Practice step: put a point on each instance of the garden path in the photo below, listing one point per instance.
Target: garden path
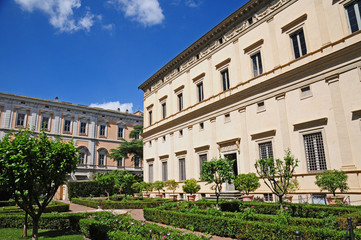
(136, 214)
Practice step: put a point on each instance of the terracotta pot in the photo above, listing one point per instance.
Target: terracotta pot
(159, 195)
(335, 200)
(146, 195)
(191, 197)
(247, 198)
(173, 196)
(136, 194)
(288, 198)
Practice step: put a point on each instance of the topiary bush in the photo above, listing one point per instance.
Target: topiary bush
(78, 189)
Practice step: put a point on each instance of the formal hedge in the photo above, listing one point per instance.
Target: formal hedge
(78, 189)
(58, 221)
(125, 204)
(54, 206)
(105, 225)
(7, 203)
(241, 229)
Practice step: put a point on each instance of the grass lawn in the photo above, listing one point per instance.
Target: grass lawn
(15, 233)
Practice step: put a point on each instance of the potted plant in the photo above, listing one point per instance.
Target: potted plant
(172, 186)
(190, 186)
(158, 185)
(136, 189)
(331, 180)
(246, 183)
(147, 187)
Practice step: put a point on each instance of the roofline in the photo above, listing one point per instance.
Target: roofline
(201, 42)
(55, 103)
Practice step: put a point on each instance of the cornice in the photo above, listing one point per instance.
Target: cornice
(233, 25)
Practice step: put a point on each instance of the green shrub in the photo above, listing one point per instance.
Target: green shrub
(123, 235)
(54, 206)
(94, 229)
(59, 221)
(78, 189)
(236, 228)
(7, 203)
(132, 203)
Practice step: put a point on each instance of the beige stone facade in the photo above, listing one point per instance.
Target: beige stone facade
(94, 130)
(273, 75)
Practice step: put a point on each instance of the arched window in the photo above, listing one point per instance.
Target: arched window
(83, 155)
(102, 157)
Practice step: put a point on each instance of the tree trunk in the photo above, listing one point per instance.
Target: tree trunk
(281, 203)
(35, 228)
(25, 233)
(107, 194)
(217, 195)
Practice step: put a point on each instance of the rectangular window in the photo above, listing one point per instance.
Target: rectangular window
(268, 197)
(67, 125)
(299, 43)
(45, 123)
(101, 159)
(164, 110)
(353, 11)
(202, 159)
(180, 102)
(257, 64)
(136, 162)
(82, 157)
(200, 92)
(225, 79)
(315, 153)
(182, 169)
(150, 172)
(120, 132)
(120, 163)
(265, 150)
(164, 171)
(82, 129)
(102, 130)
(150, 113)
(20, 120)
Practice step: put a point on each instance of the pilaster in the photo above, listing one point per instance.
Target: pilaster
(282, 113)
(244, 154)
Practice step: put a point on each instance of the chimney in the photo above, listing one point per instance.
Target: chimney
(126, 111)
(56, 99)
(118, 109)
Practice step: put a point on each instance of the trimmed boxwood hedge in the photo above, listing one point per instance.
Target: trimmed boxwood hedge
(58, 221)
(129, 204)
(78, 189)
(54, 206)
(230, 227)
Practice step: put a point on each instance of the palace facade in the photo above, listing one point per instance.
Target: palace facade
(96, 131)
(274, 75)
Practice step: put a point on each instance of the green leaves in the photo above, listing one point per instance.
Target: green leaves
(331, 180)
(246, 183)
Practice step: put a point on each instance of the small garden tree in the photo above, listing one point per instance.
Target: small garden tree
(107, 182)
(146, 186)
(171, 185)
(158, 185)
(217, 171)
(33, 167)
(136, 187)
(277, 174)
(331, 180)
(246, 183)
(190, 186)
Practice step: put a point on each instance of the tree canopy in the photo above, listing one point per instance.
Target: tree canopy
(331, 180)
(217, 171)
(133, 147)
(32, 167)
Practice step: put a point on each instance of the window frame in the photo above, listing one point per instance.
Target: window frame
(307, 161)
(22, 112)
(201, 161)
(182, 169)
(102, 152)
(105, 125)
(225, 78)
(164, 109)
(70, 129)
(259, 63)
(120, 126)
(165, 171)
(295, 33)
(355, 4)
(151, 172)
(83, 121)
(180, 101)
(43, 116)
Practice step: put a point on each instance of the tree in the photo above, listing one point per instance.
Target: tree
(217, 171)
(158, 185)
(32, 167)
(331, 180)
(136, 187)
(190, 186)
(107, 182)
(146, 186)
(171, 185)
(277, 174)
(246, 183)
(132, 148)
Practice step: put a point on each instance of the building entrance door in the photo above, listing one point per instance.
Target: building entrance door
(230, 157)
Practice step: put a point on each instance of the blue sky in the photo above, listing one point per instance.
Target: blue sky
(97, 52)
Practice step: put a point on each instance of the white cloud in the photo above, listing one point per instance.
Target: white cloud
(193, 3)
(114, 106)
(147, 12)
(60, 13)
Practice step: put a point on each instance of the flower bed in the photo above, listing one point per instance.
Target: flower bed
(247, 223)
(106, 225)
(133, 203)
